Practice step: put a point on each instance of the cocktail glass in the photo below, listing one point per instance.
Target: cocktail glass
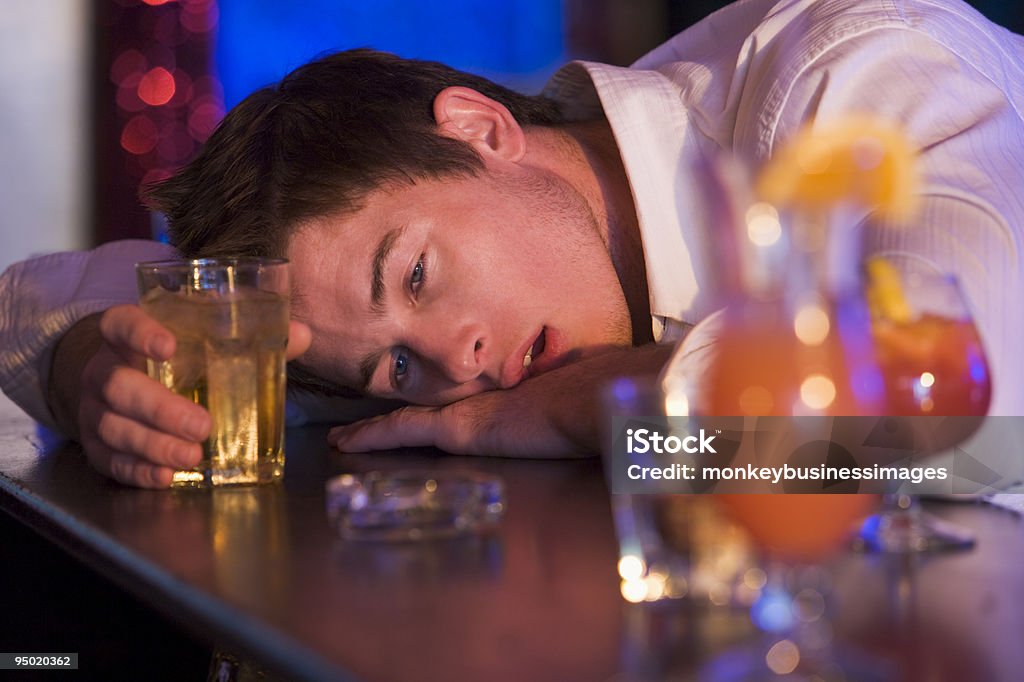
(935, 372)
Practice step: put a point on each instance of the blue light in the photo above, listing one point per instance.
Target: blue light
(871, 526)
(773, 611)
(518, 43)
(624, 391)
(866, 380)
(867, 384)
(978, 368)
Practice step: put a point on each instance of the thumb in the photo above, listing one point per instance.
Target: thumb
(299, 338)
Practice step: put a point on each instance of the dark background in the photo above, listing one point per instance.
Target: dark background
(229, 47)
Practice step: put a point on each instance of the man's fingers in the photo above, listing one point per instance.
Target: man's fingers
(407, 427)
(133, 394)
(129, 330)
(489, 423)
(148, 444)
(108, 430)
(130, 470)
(135, 471)
(133, 428)
(299, 338)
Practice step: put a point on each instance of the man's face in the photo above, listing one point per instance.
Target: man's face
(435, 291)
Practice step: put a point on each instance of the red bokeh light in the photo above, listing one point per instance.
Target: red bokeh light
(127, 64)
(164, 97)
(199, 17)
(204, 118)
(128, 94)
(175, 146)
(139, 135)
(183, 90)
(157, 87)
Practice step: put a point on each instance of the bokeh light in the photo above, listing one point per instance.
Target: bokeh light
(633, 591)
(756, 401)
(130, 63)
(631, 567)
(811, 324)
(763, 225)
(817, 391)
(199, 16)
(166, 98)
(157, 87)
(139, 135)
(783, 657)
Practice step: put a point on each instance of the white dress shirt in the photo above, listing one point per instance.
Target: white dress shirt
(744, 79)
(753, 73)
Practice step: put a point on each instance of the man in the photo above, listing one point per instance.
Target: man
(494, 260)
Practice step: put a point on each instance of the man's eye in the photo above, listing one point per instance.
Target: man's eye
(418, 275)
(400, 366)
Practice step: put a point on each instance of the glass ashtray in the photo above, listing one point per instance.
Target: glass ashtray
(413, 504)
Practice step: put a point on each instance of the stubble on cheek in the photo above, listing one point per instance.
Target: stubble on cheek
(620, 329)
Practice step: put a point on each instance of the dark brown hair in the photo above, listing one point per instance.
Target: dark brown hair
(315, 144)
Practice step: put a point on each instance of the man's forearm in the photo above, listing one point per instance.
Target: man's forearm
(555, 414)
(578, 411)
(72, 353)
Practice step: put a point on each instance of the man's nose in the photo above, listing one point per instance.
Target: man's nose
(458, 350)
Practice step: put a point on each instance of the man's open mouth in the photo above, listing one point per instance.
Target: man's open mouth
(535, 350)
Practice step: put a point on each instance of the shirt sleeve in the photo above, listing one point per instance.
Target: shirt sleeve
(41, 298)
(970, 133)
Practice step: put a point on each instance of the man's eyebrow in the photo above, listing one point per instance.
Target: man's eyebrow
(380, 257)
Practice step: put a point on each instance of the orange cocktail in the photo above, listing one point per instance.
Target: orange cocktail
(797, 528)
(932, 366)
(766, 367)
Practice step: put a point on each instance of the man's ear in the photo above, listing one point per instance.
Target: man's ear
(485, 124)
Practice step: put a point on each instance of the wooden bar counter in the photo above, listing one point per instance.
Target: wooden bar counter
(260, 570)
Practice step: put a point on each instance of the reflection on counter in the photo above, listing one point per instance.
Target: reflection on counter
(432, 561)
(249, 534)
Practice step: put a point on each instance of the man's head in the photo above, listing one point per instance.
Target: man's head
(435, 231)
(316, 144)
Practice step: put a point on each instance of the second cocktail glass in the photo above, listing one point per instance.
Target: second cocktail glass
(936, 373)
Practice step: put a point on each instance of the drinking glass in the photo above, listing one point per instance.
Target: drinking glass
(781, 360)
(229, 318)
(935, 372)
(795, 534)
(793, 349)
(672, 541)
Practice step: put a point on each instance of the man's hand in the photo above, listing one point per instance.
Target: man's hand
(131, 427)
(556, 414)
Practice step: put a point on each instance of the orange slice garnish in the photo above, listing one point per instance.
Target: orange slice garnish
(857, 159)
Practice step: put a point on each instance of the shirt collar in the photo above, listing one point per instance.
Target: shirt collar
(660, 150)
